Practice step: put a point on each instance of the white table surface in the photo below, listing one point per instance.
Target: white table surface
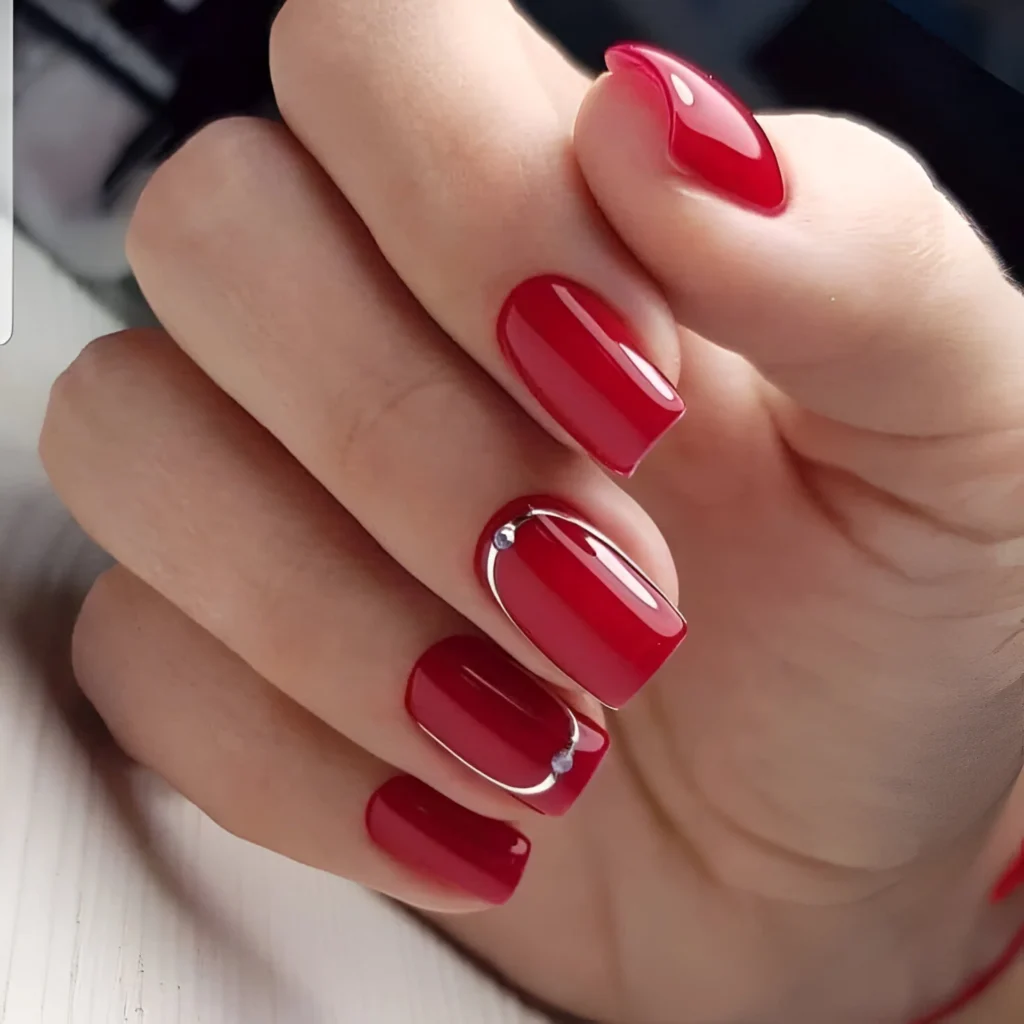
(119, 901)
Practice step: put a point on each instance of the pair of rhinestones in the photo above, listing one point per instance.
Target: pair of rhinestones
(562, 762)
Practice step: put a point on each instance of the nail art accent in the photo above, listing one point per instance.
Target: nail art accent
(578, 598)
(1011, 881)
(582, 362)
(712, 134)
(445, 842)
(499, 720)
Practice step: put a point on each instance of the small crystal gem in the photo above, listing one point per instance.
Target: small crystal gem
(505, 538)
(561, 762)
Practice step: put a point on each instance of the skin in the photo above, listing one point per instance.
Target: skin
(802, 815)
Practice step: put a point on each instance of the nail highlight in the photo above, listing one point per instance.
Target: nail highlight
(441, 840)
(712, 134)
(581, 360)
(578, 598)
(500, 720)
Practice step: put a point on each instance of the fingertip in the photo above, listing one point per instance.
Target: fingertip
(630, 62)
(443, 841)
(626, 106)
(705, 132)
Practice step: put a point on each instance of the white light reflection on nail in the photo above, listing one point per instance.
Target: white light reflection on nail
(651, 375)
(683, 91)
(614, 565)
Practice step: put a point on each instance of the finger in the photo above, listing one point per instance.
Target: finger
(564, 81)
(276, 290)
(265, 769)
(455, 152)
(814, 247)
(190, 494)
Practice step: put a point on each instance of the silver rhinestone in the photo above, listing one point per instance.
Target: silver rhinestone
(562, 762)
(504, 538)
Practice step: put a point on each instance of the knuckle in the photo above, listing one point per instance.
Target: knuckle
(912, 249)
(910, 214)
(368, 436)
(84, 423)
(869, 150)
(75, 390)
(116, 622)
(211, 165)
(309, 38)
(96, 369)
(282, 33)
(891, 223)
(97, 624)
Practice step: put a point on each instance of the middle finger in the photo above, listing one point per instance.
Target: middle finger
(277, 291)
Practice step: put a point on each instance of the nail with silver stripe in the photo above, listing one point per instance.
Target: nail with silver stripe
(585, 604)
(504, 723)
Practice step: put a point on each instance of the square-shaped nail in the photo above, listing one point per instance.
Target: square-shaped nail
(586, 606)
(502, 722)
(582, 361)
(444, 841)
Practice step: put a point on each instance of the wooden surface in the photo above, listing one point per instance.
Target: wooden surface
(119, 902)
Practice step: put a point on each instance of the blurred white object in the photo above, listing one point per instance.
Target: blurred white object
(119, 901)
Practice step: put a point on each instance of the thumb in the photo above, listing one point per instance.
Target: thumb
(816, 248)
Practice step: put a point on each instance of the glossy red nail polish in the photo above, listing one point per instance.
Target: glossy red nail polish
(442, 840)
(712, 135)
(492, 714)
(585, 606)
(582, 362)
(1011, 881)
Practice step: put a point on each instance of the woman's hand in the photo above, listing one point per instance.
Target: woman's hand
(409, 320)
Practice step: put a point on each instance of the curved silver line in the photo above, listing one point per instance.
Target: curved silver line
(493, 553)
(541, 787)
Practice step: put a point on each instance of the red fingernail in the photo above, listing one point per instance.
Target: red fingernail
(497, 718)
(582, 362)
(712, 134)
(436, 837)
(577, 598)
(1012, 880)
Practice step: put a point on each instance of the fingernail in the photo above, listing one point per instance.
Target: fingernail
(1011, 881)
(579, 599)
(582, 362)
(443, 841)
(498, 719)
(712, 134)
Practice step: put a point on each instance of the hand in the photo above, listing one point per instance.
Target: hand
(802, 816)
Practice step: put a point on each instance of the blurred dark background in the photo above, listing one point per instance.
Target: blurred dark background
(106, 88)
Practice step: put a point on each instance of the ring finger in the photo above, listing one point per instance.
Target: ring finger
(190, 494)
